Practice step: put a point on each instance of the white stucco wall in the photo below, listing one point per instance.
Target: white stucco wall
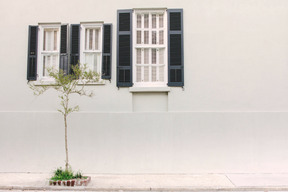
(231, 115)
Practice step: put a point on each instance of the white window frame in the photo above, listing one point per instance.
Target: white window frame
(41, 52)
(83, 27)
(150, 46)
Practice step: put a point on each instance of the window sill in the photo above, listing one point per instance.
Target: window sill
(149, 89)
(51, 83)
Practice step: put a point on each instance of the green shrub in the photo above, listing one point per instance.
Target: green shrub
(60, 174)
(78, 175)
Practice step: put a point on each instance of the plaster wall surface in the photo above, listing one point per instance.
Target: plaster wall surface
(231, 115)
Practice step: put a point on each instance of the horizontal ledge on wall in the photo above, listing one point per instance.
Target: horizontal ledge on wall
(52, 83)
(149, 89)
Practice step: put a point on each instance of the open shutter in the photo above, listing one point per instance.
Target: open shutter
(75, 45)
(32, 53)
(175, 48)
(63, 49)
(124, 48)
(106, 55)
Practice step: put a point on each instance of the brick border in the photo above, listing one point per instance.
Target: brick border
(71, 182)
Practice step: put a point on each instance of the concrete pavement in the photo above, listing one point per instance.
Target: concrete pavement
(152, 182)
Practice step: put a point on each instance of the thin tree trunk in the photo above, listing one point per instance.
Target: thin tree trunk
(66, 143)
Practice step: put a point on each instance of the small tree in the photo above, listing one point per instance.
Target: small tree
(66, 85)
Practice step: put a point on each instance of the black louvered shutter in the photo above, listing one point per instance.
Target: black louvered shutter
(32, 53)
(107, 50)
(74, 45)
(175, 48)
(124, 48)
(64, 49)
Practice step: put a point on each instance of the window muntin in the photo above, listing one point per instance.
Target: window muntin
(91, 46)
(49, 46)
(150, 48)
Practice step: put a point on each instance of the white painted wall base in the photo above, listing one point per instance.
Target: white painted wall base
(168, 142)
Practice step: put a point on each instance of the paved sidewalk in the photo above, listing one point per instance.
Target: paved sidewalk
(152, 182)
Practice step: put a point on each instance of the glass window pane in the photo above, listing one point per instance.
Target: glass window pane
(48, 41)
(161, 37)
(139, 18)
(146, 74)
(95, 66)
(90, 38)
(161, 73)
(86, 39)
(161, 56)
(54, 62)
(138, 60)
(138, 74)
(154, 52)
(146, 37)
(154, 37)
(55, 41)
(153, 21)
(146, 56)
(146, 21)
(96, 39)
(44, 65)
(154, 75)
(161, 21)
(44, 41)
(138, 37)
(89, 61)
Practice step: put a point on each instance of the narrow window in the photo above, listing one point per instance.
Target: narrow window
(91, 49)
(49, 40)
(150, 48)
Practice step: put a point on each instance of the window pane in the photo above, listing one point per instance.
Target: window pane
(90, 38)
(161, 73)
(138, 37)
(161, 21)
(138, 74)
(49, 62)
(95, 66)
(153, 21)
(54, 62)
(154, 37)
(138, 60)
(161, 56)
(44, 65)
(154, 75)
(91, 60)
(154, 52)
(50, 40)
(139, 21)
(146, 37)
(161, 37)
(44, 41)
(86, 39)
(48, 44)
(55, 41)
(96, 39)
(146, 56)
(146, 74)
(146, 21)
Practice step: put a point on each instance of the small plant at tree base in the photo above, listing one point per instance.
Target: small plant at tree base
(67, 85)
(60, 174)
(78, 175)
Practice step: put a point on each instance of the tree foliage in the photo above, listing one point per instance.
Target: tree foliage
(67, 85)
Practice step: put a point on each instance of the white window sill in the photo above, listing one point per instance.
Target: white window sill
(149, 89)
(101, 82)
(51, 83)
